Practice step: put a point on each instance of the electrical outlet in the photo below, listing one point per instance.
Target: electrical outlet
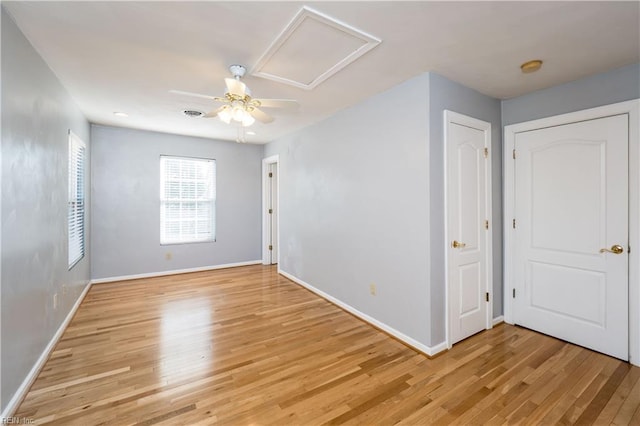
(55, 301)
(168, 255)
(372, 289)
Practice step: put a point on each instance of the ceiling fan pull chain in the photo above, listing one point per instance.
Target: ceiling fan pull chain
(240, 135)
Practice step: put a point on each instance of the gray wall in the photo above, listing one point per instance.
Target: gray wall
(126, 203)
(363, 192)
(354, 206)
(444, 95)
(37, 113)
(329, 204)
(619, 85)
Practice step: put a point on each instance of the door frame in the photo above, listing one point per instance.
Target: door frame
(631, 108)
(266, 220)
(463, 120)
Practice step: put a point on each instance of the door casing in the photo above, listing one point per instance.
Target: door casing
(454, 117)
(632, 108)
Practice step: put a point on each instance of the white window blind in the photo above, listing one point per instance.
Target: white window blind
(187, 200)
(76, 205)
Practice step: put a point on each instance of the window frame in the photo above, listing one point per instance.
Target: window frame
(76, 196)
(164, 241)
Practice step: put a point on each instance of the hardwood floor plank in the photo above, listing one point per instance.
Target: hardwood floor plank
(166, 416)
(372, 398)
(604, 394)
(617, 399)
(548, 397)
(247, 346)
(629, 409)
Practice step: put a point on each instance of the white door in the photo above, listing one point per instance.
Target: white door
(571, 233)
(273, 212)
(468, 211)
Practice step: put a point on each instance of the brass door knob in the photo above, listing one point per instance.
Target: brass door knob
(456, 244)
(617, 249)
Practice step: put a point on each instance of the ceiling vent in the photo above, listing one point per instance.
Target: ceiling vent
(192, 113)
(312, 48)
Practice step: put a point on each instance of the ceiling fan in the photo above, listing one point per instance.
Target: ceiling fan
(238, 105)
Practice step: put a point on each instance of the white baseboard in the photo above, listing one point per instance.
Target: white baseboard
(428, 350)
(174, 272)
(498, 320)
(19, 395)
(440, 347)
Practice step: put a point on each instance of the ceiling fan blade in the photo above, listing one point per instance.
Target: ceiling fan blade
(278, 103)
(235, 87)
(215, 112)
(261, 116)
(197, 95)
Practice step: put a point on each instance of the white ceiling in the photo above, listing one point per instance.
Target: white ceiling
(126, 56)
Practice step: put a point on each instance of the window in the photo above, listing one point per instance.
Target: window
(187, 200)
(75, 213)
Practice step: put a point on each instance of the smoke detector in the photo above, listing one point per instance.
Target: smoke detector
(531, 66)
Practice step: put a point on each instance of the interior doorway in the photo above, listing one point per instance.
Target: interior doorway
(571, 221)
(270, 210)
(468, 213)
(571, 206)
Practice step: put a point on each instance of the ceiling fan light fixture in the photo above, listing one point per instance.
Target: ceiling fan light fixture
(225, 115)
(237, 104)
(238, 113)
(248, 120)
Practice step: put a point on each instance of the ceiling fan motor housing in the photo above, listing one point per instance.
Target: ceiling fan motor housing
(238, 71)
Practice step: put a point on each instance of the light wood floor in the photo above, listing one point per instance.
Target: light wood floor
(245, 346)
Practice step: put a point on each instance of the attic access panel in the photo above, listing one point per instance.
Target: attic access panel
(312, 48)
